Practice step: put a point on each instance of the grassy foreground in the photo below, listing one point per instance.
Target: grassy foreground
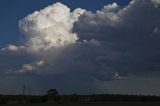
(95, 104)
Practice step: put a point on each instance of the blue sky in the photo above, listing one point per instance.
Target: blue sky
(106, 48)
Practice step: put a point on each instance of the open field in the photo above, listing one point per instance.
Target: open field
(95, 104)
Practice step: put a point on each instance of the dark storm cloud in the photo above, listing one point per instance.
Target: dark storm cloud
(131, 34)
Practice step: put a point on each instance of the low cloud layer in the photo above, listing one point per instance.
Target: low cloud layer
(114, 43)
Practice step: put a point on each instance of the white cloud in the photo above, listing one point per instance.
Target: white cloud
(156, 2)
(50, 27)
(118, 77)
(13, 48)
(31, 67)
(156, 29)
(26, 68)
(111, 7)
(40, 63)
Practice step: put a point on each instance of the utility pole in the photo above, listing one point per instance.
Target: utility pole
(24, 89)
(29, 91)
(23, 94)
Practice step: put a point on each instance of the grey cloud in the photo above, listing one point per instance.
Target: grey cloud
(130, 36)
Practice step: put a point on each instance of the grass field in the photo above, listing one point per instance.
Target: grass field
(95, 104)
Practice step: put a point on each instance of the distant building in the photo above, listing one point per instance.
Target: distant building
(52, 96)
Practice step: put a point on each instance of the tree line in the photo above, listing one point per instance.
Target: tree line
(74, 98)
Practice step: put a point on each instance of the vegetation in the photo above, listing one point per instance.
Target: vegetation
(53, 97)
(93, 104)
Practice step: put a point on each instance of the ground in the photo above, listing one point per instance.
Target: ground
(95, 104)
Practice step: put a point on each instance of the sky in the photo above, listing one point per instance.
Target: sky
(76, 46)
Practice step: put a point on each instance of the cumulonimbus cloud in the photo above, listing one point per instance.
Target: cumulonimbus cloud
(112, 43)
